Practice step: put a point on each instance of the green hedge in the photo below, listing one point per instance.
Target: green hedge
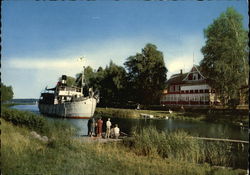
(25, 118)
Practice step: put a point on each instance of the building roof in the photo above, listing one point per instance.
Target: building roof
(182, 78)
(176, 78)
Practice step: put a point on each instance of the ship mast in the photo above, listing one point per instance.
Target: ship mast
(82, 79)
(83, 84)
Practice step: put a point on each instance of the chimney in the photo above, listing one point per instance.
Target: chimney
(181, 71)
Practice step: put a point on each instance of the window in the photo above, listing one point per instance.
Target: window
(201, 90)
(195, 76)
(191, 91)
(206, 90)
(202, 98)
(206, 98)
(199, 76)
(177, 88)
(196, 91)
(196, 98)
(189, 77)
(171, 89)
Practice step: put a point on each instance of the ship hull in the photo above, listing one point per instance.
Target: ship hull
(79, 109)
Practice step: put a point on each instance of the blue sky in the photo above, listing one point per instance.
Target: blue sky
(41, 40)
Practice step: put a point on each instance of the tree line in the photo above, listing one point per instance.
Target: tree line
(140, 81)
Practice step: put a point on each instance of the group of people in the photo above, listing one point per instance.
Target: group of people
(95, 128)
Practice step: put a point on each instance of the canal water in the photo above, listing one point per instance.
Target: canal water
(201, 129)
(194, 128)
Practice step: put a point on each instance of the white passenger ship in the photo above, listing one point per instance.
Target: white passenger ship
(68, 102)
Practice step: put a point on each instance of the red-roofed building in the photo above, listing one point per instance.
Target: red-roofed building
(189, 89)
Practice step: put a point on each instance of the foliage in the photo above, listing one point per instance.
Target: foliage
(35, 122)
(6, 93)
(142, 83)
(226, 56)
(146, 74)
(110, 82)
(113, 85)
(24, 118)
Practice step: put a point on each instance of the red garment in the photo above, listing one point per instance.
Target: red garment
(99, 126)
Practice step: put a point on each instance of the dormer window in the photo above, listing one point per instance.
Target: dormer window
(195, 76)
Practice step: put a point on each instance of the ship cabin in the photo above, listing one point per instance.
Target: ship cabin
(61, 93)
(188, 89)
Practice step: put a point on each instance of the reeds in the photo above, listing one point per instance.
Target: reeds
(178, 146)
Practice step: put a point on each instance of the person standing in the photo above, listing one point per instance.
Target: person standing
(117, 131)
(99, 127)
(93, 123)
(108, 125)
(89, 126)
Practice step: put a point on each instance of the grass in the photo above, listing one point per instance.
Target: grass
(216, 116)
(23, 154)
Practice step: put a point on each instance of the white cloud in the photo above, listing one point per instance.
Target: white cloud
(184, 55)
(183, 62)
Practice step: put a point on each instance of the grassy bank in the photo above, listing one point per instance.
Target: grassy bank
(148, 152)
(215, 116)
(23, 154)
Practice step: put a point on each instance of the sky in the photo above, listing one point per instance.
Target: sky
(42, 40)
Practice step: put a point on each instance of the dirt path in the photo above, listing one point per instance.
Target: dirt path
(88, 139)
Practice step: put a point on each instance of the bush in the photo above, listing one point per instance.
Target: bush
(37, 122)
(25, 118)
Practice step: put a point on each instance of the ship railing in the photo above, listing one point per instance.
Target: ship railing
(64, 88)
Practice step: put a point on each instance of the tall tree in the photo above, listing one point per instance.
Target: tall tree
(113, 85)
(110, 82)
(225, 53)
(6, 93)
(146, 75)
